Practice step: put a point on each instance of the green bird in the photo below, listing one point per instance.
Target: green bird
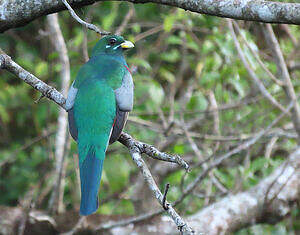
(98, 104)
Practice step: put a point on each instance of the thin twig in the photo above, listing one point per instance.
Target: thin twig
(218, 138)
(85, 24)
(39, 99)
(192, 143)
(127, 18)
(270, 146)
(277, 81)
(164, 201)
(280, 61)
(151, 151)
(136, 219)
(273, 182)
(181, 224)
(222, 107)
(252, 74)
(198, 179)
(11, 158)
(236, 150)
(149, 32)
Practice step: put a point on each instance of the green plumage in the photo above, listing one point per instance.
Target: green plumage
(100, 97)
(102, 67)
(94, 114)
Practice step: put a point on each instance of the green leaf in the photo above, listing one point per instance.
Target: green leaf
(156, 93)
(167, 75)
(171, 56)
(179, 149)
(3, 114)
(41, 69)
(109, 19)
(237, 85)
(140, 62)
(169, 22)
(78, 39)
(174, 40)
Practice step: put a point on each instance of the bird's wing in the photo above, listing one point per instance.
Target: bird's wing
(89, 70)
(71, 97)
(119, 123)
(72, 125)
(69, 107)
(124, 98)
(124, 94)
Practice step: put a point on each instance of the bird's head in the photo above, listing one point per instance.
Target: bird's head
(111, 44)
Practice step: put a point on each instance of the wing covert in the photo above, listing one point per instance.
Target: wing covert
(71, 97)
(124, 94)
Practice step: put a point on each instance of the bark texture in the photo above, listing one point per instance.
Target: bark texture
(16, 13)
(268, 202)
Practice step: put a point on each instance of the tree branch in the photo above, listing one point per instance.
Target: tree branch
(136, 148)
(229, 214)
(276, 192)
(80, 21)
(252, 74)
(51, 93)
(61, 139)
(242, 209)
(12, 12)
(282, 67)
(190, 187)
(125, 21)
(180, 223)
(256, 55)
(151, 151)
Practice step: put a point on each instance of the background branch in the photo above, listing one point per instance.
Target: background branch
(80, 21)
(61, 140)
(227, 215)
(262, 11)
(252, 74)
(51, 93)
(282, 67)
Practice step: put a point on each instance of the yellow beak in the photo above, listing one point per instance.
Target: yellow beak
(127, 45)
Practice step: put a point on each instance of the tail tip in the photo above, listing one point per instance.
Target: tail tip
(87, 210)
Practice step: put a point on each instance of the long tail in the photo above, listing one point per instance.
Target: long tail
(90, 177)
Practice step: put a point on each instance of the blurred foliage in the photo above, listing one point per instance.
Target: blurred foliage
(195, 48)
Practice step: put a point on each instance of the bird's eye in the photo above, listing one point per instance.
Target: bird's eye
(112, 41)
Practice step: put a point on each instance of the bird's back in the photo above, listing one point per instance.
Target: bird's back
(98, 102)
(94, 112)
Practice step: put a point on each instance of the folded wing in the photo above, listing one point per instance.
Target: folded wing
(124, 98)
